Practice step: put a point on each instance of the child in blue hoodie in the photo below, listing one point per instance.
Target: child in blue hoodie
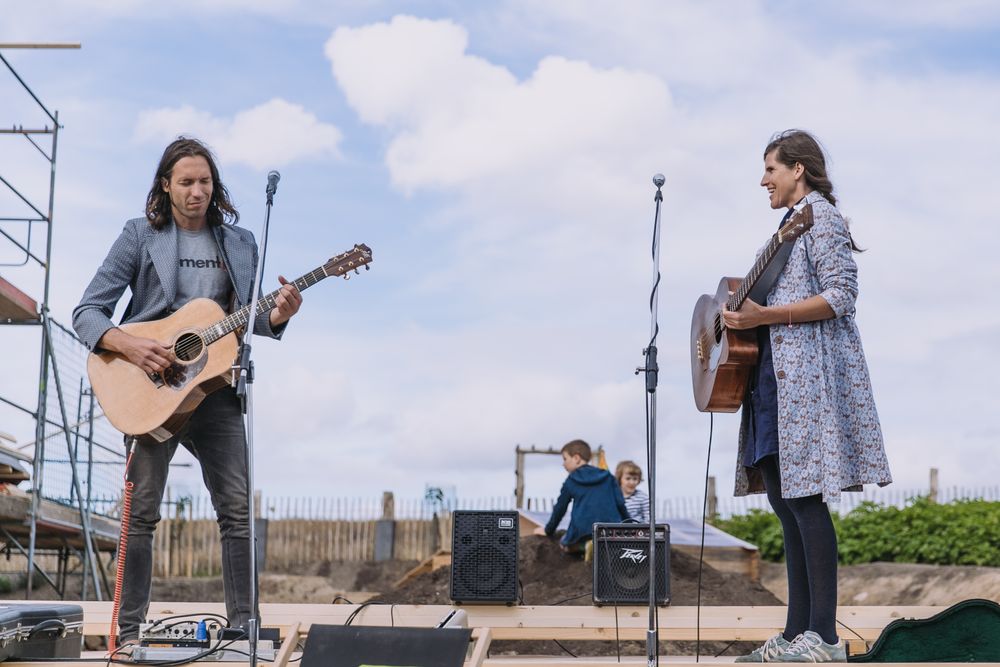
(595, 494)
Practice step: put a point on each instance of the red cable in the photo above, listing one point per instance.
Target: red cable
(122, 546)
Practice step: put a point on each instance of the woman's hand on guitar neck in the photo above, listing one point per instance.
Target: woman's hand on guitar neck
(149, 355)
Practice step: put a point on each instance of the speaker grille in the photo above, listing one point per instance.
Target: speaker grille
(621, 563)
(484, 556)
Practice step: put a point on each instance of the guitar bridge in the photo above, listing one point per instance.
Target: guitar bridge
(700, 351)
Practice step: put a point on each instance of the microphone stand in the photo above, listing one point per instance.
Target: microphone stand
(243, 381)
(651, 369)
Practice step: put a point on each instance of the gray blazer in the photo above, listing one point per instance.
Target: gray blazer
(145, 260)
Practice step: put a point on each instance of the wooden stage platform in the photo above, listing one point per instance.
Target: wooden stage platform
(863, 625)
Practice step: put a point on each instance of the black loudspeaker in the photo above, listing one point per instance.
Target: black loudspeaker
(621, 563)
(484, 556)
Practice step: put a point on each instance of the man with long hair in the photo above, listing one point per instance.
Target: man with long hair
(186, 246)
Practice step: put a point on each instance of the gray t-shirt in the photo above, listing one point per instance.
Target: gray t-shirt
(201, 272)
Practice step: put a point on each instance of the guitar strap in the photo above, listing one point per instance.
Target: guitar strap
(770, 275)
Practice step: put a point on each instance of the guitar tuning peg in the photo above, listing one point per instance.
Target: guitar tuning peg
(357, 272)
(347, 276)
(367, 268)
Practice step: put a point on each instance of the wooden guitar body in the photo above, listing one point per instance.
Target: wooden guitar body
(136, 402)
(721, 358)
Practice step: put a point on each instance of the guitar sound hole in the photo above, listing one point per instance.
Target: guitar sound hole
(188, 347)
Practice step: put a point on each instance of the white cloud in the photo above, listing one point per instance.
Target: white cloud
(508, 299)
(274, 133)
(555, 165)
(458, 120)
(957, 14)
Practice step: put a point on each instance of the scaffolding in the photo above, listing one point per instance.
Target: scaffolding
(64, 524)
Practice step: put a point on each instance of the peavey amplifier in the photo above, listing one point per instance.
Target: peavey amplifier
(484, 556)
(621, 563)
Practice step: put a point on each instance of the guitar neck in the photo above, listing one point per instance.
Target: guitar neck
(737, 298)
(238, 319)
(800, 223)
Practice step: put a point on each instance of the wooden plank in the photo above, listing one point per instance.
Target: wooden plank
(483, 637)
(90, 658)
(589, 623)
(56, 522)
(285, 652)
(633, 661)
(15, 304)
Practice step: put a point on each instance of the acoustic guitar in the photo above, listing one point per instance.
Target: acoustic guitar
(204, 342)
(721, 358)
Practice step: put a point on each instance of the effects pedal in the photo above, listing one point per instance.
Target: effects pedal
(236, 651)
(205, 641)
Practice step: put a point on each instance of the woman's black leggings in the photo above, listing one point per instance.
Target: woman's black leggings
(810, 558)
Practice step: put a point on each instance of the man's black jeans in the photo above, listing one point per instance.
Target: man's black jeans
(216, 437)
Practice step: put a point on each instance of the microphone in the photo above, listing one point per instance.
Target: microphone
(272, 182)
(658, 180)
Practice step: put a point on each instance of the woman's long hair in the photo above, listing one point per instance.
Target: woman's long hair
(793, 147)
(220, 207)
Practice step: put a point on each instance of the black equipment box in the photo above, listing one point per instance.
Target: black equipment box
(484, 556)
(40, 631)
(621, 563)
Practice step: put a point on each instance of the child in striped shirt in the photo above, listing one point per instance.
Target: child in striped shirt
(629, 475)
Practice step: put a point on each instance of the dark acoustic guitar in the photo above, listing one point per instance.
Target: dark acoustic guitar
(204, 344)
(721, 358)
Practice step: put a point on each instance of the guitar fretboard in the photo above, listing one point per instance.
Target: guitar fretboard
(239, 318)
(799, 224)
(737, 298)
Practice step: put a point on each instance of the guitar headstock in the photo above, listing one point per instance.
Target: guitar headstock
(341, 265)
(798, 225)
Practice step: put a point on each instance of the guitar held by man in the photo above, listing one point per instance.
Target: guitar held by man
(203, 343)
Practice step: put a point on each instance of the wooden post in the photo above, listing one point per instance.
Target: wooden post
(189, 531)
(167, 532)
(385, 531)
(713, 499)
(519, 477)
(388, 505)
(933, 495)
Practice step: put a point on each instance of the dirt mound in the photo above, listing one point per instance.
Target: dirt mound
(550, 577)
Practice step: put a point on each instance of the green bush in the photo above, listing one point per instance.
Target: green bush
(965, 532)
(757, 527)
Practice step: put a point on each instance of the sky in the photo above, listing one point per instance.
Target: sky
(497, 157)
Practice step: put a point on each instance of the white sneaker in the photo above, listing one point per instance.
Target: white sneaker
(810, 647)
(768, 651)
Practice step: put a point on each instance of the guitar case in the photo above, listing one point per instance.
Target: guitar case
(49, 630)
(966, 632)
